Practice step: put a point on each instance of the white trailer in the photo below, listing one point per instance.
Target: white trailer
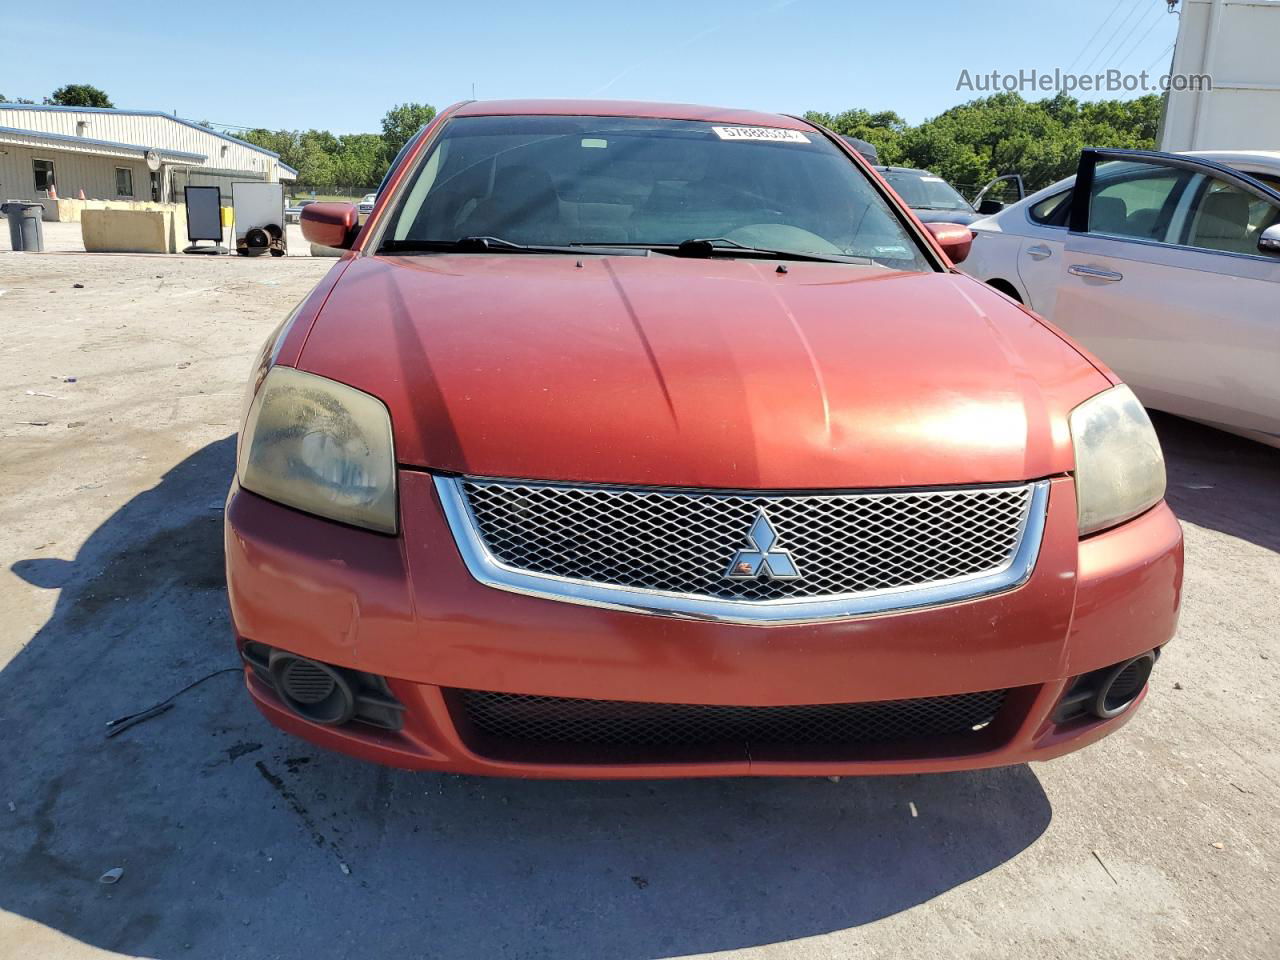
(1236, 43)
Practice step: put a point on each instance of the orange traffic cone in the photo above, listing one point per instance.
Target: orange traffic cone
(53, 192)
(82, 193)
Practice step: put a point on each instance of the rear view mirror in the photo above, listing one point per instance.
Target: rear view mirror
(330, 224)
(988, 207)
(954, 238)
(1269, 239)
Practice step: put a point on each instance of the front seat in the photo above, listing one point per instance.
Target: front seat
(523, 206)
(1223, 223)
(1109, 215)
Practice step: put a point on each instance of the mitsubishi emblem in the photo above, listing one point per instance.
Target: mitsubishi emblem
(762, 559)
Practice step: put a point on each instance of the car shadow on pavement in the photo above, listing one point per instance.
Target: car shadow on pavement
(237, 841)
(1220, 481)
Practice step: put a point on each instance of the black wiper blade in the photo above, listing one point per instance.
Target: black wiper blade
(706, 246)
(487, 244)
(711, 246)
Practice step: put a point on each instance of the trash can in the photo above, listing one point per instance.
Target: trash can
(25, 225)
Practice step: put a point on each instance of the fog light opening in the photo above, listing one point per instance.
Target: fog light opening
(314, 691)
(1121, 686)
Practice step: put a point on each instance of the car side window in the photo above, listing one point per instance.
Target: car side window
(1227, 218)
(1135, 200)
(1051, 211)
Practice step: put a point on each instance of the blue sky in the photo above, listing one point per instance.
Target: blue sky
(321, 64)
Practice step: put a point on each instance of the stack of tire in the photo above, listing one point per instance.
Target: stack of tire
(260, 240)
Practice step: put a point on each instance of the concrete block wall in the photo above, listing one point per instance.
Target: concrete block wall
(71, 210)
(134, 231)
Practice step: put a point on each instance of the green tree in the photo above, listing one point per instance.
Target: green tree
(79, 95)
(4, 99)
(402, 122)
(975, 141)
(360, 159)
(287, 143)
(883, 129)
(318, 139)
(316, 166)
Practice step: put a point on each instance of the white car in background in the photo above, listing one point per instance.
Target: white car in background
(365, 206)
(1167, 266)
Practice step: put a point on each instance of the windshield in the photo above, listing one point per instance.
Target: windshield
(623, 181)
(924, 191)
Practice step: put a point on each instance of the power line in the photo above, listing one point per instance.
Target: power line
(1089, 42)
(1120, 26)
(234, 126)
(1128, 55)
(1106, 49)
(1161, 57)
(1132, 30)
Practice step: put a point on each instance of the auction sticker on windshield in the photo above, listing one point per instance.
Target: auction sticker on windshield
(760, 133)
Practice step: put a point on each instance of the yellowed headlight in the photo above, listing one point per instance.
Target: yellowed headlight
(320, 446)
(1119, 464)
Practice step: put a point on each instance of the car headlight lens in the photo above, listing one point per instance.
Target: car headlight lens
(1119, 466)
(321, 446)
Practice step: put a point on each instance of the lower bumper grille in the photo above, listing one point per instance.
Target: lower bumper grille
(521, 718)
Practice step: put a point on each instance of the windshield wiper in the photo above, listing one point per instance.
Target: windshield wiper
(706, 247)
(486, 244)
(701, 247)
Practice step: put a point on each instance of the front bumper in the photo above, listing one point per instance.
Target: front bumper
(407, 609)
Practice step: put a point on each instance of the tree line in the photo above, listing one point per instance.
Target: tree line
(325, 160)
(966, 145)
(976, 141)
(71, 95)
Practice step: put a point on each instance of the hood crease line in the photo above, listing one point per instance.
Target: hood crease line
(644, 341)
(818, 380)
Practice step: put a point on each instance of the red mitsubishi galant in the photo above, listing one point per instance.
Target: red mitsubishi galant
(644, 440)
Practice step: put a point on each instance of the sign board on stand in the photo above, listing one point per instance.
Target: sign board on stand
(204, 218)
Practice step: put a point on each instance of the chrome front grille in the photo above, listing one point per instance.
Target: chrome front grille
(682, 543)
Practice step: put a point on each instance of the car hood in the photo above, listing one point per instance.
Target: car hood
(703, 373)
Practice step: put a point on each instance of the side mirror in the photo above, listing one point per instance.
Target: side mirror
(955, 239)
(1269, 239)
(330, 224)
(988, 207)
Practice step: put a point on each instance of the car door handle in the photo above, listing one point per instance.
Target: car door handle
(1094, 273)
(1039, 252)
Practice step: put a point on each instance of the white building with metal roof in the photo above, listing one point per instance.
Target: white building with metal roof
(120, 155)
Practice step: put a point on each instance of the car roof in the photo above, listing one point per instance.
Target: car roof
(627, 108)
(1262, 159)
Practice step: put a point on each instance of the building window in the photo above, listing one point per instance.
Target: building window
(124, 182)
(43, 170)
